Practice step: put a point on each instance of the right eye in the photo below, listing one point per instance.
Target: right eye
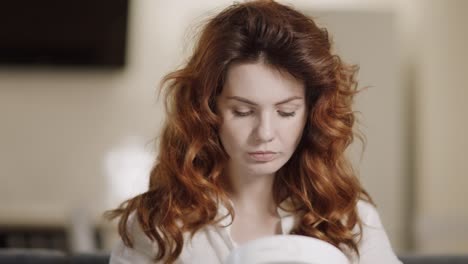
(242, 114)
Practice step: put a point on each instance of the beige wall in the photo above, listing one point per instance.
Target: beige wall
(442, 127)
(59, 125)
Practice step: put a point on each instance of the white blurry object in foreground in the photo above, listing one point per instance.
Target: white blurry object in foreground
(127, 169)
(291, 249)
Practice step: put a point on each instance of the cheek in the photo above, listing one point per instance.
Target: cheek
(232, 135)
(293, 132)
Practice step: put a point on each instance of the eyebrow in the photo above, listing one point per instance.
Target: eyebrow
(241, 99)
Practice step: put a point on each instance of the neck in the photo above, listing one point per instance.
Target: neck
(252, 194)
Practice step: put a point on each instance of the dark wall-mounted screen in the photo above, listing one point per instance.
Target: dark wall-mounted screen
(63, 32)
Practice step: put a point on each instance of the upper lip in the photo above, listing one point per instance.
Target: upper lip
(263, 152)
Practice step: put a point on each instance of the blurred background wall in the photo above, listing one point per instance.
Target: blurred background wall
(80, 140)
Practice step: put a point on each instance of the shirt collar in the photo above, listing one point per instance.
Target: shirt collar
(286, 217)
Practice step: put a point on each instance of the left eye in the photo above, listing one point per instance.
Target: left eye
(286, 114)
(240, 113)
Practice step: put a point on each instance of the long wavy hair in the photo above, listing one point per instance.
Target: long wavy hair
(186, 182)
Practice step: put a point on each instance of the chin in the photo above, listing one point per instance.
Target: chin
(265, 168)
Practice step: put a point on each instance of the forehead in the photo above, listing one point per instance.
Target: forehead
(261, 83)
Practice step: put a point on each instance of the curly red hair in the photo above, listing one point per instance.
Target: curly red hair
(186, 183)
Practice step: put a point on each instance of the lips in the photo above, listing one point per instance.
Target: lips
(263, 156)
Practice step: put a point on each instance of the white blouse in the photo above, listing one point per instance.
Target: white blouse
(212, 244)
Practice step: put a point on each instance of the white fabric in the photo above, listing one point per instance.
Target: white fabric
(212, 244)
(287, 249)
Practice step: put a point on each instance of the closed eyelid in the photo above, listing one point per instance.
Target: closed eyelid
(293, 107)
(280, 109)
(242, 108)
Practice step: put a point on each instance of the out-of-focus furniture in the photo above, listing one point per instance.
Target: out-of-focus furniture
(37, 256)
(439, 259)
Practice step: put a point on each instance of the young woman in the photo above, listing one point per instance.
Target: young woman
(258, 121)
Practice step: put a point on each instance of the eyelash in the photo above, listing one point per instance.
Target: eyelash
(245, 114)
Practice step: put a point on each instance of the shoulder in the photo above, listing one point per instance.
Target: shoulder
(374, 245)
(143, 251)
(368, 214)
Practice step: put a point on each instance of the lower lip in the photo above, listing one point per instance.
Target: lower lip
(263, 157)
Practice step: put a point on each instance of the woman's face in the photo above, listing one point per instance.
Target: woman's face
(264, 113)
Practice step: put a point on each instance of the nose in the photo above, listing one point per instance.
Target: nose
(265, 130)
